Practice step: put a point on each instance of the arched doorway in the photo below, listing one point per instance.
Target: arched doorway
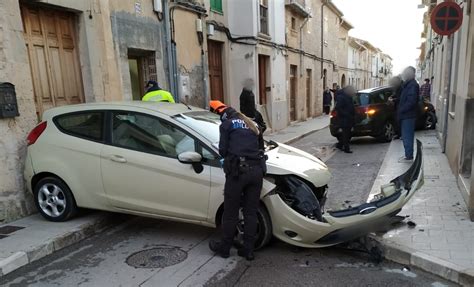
(343, 81)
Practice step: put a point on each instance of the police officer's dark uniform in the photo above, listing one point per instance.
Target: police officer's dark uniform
(244, 167)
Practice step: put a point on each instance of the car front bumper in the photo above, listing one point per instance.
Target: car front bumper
(345, 225)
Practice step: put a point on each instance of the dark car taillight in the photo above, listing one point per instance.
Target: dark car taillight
(333, 114)
(36, 133)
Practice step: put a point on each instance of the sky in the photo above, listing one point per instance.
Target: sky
(394, 26)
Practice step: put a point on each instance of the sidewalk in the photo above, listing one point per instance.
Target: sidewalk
(299, 130)
(31, 238)
(442, 242)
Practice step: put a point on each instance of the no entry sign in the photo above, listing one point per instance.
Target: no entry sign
(446, 18)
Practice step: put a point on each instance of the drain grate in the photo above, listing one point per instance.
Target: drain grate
(7, 229)
(157, 257)
(430, 176)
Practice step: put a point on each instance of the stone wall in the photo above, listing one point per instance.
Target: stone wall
(14, 68)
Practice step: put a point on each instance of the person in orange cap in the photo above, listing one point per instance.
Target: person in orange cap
(244, 166)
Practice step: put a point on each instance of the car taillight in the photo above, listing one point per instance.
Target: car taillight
(333, 114)
(35, 133)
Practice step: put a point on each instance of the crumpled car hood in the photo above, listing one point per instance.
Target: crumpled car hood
(285, 159)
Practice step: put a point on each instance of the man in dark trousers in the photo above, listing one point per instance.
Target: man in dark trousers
(407, 111)
(345, 113)
(396, 86)
(327, 101)
(244, 168)
(247, 107)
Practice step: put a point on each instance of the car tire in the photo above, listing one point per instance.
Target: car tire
(54, 200)
(264, 230)
(430, 121)
(388, 132)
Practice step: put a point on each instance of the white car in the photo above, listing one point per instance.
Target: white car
(161, 160)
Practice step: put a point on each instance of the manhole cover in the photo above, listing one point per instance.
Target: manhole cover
(157, 257)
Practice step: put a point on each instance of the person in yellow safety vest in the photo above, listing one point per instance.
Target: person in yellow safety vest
(155, 94)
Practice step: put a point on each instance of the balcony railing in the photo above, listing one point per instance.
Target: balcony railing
(298, 6)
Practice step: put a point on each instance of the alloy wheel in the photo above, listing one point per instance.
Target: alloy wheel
(52, 200)
(389, 131)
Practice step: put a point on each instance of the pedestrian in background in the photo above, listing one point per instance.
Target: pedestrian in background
(247, 107)
(244, 167)
(334, 92)
(396, 86)
(425, 90)
(327, 101)
(154, 93)
(407, 111)
(345, 112)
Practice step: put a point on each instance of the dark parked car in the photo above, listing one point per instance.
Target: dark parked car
(375, 115)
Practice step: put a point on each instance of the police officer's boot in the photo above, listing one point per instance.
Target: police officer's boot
(248, 255)
(219, 248)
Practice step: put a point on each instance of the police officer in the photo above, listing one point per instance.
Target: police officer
(244, 167)
(155, 93)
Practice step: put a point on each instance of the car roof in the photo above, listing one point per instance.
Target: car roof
(371, 90)
(164, 108)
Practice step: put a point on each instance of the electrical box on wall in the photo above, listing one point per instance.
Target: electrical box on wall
(157, 6)
(210, 30)
(198, 25)
(8, 102)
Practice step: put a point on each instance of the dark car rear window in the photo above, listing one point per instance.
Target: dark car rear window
(87, 125)
(364, 99)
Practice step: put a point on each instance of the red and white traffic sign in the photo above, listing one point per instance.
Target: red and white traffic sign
(446, 18)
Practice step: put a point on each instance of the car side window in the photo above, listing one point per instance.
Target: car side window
(378, 98)
(87, 125)
(149, 134)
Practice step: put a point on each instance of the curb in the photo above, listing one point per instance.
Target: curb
(411, 257)
(23, 258)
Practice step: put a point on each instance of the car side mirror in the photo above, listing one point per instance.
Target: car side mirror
(191, 157)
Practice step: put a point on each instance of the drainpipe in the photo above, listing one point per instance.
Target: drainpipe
(169, 54)
(301, 43)
(448, 96)
(322, 37)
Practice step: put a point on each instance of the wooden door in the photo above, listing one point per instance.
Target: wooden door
(309, 89)
(262, 79)
(216, 83)
(51, 42)
(293, 91)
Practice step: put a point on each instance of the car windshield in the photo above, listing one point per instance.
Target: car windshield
(204, 123)
(207, 124)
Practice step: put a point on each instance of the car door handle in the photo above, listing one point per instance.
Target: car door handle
(118, 158)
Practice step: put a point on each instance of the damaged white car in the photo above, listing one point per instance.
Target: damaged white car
(161, 160)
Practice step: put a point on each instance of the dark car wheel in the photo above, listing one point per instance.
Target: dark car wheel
(430, 121)
(264, 229)
(388, 132)
(54, 199)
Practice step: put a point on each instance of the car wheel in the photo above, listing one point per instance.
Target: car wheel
(388, 133)
(264, 229)
(54, 199)
(430, 121)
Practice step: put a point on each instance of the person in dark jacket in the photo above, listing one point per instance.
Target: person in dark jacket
(327, 101)
(345, 113)
(247, 107)
(396, 86)
(407, 111)
(244, 168)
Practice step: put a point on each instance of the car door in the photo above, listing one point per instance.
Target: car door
(141, 171)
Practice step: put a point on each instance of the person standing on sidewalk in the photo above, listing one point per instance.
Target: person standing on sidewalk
(345, 112)
(407, 111)
(396, 86)
(327, 101)
(244, 167)
(425, 90)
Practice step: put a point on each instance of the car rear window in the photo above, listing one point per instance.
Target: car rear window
(364, 99)
(87, 125)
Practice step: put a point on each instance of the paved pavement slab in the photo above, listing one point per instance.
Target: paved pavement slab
(442, 241)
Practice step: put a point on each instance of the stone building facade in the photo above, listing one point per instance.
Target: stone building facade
(449, 62)
(59, 52)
